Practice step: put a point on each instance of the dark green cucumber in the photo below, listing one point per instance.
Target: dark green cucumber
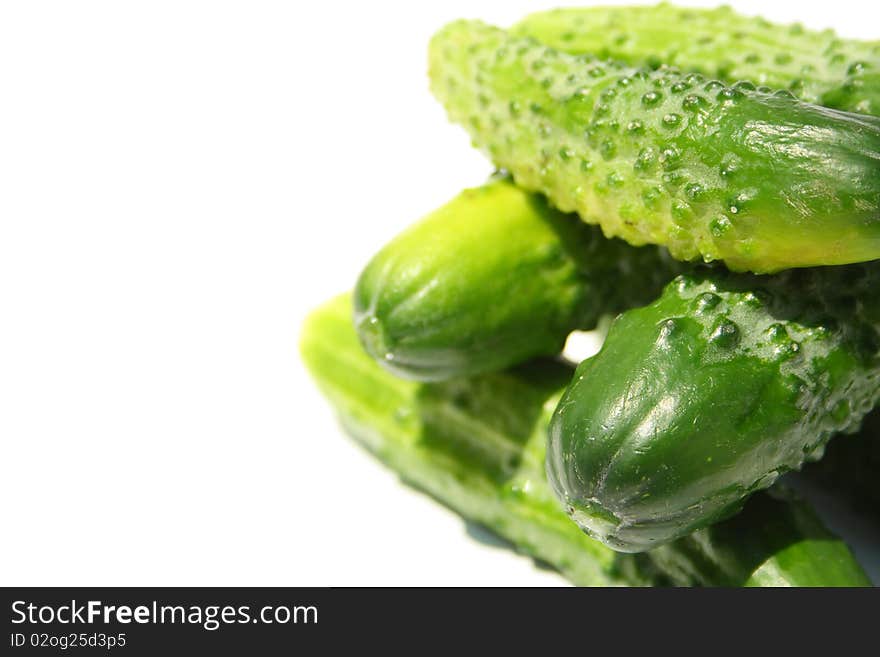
(818, 67)
(493, 278)
(758, 179)
(478, 445)
(709, 394)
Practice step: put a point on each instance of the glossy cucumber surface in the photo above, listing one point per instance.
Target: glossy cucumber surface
(755, 178)
(493, 278)
(818, 67)
(478, 444)
(709, 394)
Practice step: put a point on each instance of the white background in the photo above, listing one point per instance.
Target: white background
(180, 182)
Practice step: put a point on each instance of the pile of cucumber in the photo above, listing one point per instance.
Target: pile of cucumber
(711, 181)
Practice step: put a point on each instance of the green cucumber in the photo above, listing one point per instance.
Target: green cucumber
(818, 67)
(478, 445)
(493, 278)
(757, 179)
(709, 394)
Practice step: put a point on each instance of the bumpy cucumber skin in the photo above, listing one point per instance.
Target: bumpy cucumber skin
(478, 445)
(757, 179)
(493, 278)
(818, 67)
(709, 394)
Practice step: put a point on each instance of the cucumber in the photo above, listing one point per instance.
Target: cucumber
(757, 179)
(478, 444)
(709, 394)
(493, 278)
(818, 67)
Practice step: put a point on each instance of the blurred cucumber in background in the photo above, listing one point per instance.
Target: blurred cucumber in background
(816, 66)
